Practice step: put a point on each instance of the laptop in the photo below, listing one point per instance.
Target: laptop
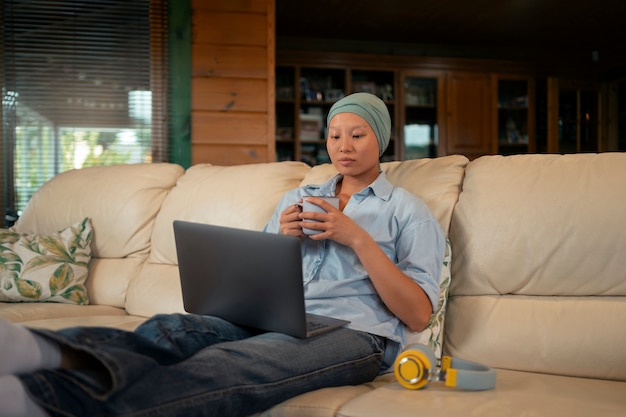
(246, 277)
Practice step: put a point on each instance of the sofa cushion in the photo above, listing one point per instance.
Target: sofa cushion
(53, 267)
(517, 394)
(539, 261)
(122, 202)
(243, 196)
(436, 181)
(27, 312)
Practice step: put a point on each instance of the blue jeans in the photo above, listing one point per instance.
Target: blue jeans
(186, 365)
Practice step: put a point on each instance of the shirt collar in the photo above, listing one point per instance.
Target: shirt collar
(380, 187)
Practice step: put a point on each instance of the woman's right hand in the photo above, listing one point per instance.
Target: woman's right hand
(290, 222)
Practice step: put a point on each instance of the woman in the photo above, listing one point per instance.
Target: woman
(375, 262)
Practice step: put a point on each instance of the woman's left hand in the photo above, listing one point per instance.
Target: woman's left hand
(332, 225)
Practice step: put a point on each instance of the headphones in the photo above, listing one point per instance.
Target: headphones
(416, 366)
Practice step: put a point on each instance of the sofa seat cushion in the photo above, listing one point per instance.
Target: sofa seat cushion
(25, 312)
(124, 322)
(517, 394)
(325, 402)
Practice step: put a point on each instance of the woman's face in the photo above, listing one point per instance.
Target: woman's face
(352, 146)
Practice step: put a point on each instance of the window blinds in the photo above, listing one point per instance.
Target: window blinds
(84, 83)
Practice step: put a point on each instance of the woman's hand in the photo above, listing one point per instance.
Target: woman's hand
(332, 225)
(290, 221)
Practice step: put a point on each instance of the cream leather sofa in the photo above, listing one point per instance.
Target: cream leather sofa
(538, 270)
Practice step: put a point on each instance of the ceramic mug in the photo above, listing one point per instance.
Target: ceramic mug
(310, 207)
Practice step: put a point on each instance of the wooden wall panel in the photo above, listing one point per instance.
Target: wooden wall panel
(229, 128)
(230, 28)
(229, 61)
(229, 155)
(229, 94)
(232, 82)
(250, 6)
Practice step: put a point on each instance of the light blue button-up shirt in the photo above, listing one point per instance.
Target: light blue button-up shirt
(335, 282)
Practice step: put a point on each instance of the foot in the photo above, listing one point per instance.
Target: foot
(23, 351)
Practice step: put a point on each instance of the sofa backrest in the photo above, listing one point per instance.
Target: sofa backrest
(122, 202)
(243, 196)
(437, 181)
(539, 268)
(246, 195)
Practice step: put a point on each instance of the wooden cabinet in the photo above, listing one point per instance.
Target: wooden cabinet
(489, 113)
(437, 107)
(304, 95)
(468, 114)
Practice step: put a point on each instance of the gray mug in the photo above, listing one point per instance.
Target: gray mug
(310, 207)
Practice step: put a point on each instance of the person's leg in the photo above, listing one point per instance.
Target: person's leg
(115, 357)
(23, 351)
(15, 402)
(235, 378)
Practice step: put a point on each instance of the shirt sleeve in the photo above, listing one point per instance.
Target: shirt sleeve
(273, 225)
(420, 252)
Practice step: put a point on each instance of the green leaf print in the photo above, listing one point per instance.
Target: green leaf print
(28, 288)
(54, 245)
(76, 294)
(61, 278)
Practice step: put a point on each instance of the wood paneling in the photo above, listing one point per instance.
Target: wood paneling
(230, 61)
(229, 128)
(229, 155)
(230, 28)
(233, 114)
(229, 94)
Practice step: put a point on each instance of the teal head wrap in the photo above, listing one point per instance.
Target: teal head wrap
(372, 109)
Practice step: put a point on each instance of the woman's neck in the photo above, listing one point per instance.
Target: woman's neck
(350, 185)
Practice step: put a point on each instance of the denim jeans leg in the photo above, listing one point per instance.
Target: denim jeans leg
(236, 378)
(126, 356)
(244, 377)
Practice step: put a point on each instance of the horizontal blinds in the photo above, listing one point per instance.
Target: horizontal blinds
(83, 84)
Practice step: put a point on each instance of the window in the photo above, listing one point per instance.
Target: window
(84, 83)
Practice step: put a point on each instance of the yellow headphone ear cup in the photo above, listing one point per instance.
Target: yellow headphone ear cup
(414, 365)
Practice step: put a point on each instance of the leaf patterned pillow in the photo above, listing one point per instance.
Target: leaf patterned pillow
(46, 267)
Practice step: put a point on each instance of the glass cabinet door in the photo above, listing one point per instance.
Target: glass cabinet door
(382, 84)
(319, 88)
(574, 124)
(420, 117)
(515, 121)
(578, 121)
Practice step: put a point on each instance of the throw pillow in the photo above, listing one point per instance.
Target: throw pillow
(432, 336)
(46, 267)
